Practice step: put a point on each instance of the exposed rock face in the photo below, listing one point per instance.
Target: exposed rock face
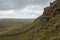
(51, 11)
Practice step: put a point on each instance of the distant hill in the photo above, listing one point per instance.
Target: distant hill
(45, 27)
(15, 21)
(6, 24)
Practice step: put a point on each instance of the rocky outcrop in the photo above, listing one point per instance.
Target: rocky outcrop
(51, 11)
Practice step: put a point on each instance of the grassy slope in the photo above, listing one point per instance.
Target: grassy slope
(20, 34)
(10, 24)
(51, 31)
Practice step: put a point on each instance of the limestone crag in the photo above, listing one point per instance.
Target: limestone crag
(51, 11)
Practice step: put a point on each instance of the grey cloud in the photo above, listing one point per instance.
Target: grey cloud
(16, 4)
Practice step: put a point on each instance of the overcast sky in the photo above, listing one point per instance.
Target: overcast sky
(22, 8)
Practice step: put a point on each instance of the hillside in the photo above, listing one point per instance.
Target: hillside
(45, 27)
(9, 24)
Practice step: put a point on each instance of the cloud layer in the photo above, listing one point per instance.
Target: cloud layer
(16, 4)
(30, 11)
(22, 8)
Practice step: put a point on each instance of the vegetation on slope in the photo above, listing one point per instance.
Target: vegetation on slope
(10, 24)
(51, 31)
